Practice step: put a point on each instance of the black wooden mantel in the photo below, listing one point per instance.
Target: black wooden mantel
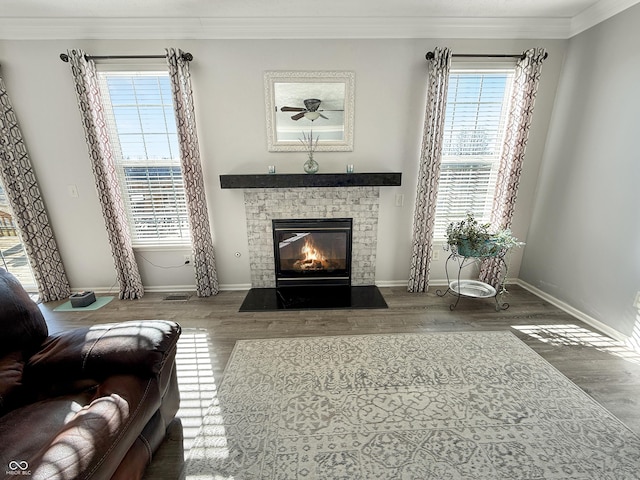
(301, 180)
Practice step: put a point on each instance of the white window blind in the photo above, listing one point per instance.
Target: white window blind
(475, 121)
(142, 128)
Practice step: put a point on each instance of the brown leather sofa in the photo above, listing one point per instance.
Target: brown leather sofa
(88, 403)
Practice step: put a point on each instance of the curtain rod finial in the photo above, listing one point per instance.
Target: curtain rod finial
(187, 56)
(429, 56)
(64, 57)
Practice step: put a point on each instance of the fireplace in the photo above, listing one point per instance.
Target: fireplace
(312, 252)
(351, 285)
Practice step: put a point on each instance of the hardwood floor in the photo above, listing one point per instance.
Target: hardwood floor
(603, 368)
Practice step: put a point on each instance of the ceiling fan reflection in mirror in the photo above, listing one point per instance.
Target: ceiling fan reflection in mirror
(311, 110)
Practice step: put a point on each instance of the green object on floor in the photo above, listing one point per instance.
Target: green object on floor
(66, 306)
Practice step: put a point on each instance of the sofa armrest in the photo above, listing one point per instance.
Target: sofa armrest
(136, 347)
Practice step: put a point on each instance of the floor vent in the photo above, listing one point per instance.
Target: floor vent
(177, 297)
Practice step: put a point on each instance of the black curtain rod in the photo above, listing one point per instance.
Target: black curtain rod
(65, 58)
(429, 55)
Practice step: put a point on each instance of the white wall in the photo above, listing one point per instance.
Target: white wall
(584, 241)
(227, 78)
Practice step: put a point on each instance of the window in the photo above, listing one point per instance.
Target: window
(12, 251)
(475, 122)
(142, 128)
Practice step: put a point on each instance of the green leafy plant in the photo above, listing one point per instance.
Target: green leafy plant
(505, 239)
(471, 238)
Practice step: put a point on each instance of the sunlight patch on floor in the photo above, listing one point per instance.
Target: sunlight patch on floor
(573, 335)
(196, 382)
(199, 407)
(634, 340)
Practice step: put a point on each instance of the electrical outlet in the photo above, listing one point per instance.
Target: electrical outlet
(399, 199)
(187, 259)
(435, 255)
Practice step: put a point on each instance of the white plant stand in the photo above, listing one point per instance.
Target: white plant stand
(472, 288)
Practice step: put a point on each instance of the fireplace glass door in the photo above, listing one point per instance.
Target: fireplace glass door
(312, 252)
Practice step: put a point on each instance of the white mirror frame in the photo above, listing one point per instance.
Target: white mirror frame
(308, 77)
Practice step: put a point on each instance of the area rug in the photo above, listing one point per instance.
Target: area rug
(439, 406)
(99, 303)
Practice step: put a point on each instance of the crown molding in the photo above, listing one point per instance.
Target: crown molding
(598, 12)
(283, 28)
(139, 28)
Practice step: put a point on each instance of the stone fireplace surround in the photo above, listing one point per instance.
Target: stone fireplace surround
(359, 203)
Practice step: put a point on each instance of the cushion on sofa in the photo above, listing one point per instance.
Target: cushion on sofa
(100, 351)
(81, 435)
(21, 322)
(11, 368)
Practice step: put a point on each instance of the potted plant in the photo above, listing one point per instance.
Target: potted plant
(470, 238)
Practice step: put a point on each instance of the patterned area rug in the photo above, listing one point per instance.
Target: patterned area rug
(432, 406)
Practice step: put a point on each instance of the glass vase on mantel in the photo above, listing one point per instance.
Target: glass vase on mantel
(311, 166)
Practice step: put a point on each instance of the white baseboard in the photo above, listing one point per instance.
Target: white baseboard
(235, 286)
(171, 289)
(438, 282)
(192, 288)
(99, 290)
(589, 320)
(165, 288)
(391, 283)
(404, 283)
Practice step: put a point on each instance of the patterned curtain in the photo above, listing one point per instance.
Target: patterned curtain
(429, 173)
(29, 212)
(525, 89)
(204, 260)
(100, 153)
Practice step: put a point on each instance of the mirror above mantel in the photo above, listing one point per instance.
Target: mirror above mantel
(321, 102)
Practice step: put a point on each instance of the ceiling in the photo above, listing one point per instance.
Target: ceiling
(183, 19)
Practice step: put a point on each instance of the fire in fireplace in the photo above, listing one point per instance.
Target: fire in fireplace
(312, 251)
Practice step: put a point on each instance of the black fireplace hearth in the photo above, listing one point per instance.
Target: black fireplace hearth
(313, 298)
